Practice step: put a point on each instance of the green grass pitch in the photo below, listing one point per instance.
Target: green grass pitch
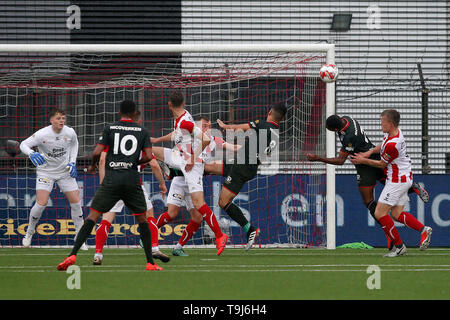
(260, 274)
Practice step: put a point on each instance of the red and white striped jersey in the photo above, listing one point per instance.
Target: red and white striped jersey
(183, 137)
(393, 152)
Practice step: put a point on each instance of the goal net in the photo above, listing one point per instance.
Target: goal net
(291, 200)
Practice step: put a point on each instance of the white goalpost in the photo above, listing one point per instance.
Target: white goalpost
(294, 204)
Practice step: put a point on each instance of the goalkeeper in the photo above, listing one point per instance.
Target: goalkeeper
(55, 161)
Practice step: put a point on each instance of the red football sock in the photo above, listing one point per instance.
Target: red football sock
(210, 219)
(163, 219)
(410, 221)
(188, 232)
(153, 230)
(101, 235)
(390, 230)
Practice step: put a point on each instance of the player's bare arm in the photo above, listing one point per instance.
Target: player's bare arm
(148, 154)
(96, 157)
(242, 126)
(339, 160)
(231, 146)
(101, 167)
(159, 176)
(359, 159)
(167, 137)
(367, 154)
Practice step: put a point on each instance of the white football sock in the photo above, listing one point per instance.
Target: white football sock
(35, 215)
(155, 249)
(77, 215)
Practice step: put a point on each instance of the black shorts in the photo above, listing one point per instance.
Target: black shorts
(108, 194)
(237, 175)
(367, 176)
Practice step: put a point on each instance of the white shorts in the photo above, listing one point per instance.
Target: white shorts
(118, 207)
(395, 194)
(193, 178)
(173, 158)
(65, 183)
(179, 194)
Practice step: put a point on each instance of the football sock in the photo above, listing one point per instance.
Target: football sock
(390, 230)
(210, 219)
(101, 235)
(154, 232)
(163, 219)
(146, 240)
(372, 205)
(236, 214)
(35, 215)
(410, 221)
(188, 232)
(82, 235)
(77, 216)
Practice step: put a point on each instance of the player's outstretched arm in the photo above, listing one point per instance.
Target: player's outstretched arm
(229, 146)
(367, 154)
(232, 147)
(243, 126)
(359, 159)
(339, 160)
(167, 137)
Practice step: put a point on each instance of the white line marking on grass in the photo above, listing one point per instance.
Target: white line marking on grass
(209, 259)
(190, 266)
(268, 252)
(238, 271)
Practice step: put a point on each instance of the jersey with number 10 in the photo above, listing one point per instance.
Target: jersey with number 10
(125, 141)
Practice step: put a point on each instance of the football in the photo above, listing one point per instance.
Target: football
(329, 73)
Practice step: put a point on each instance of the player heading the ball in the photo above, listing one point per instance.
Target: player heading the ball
(190, 141)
